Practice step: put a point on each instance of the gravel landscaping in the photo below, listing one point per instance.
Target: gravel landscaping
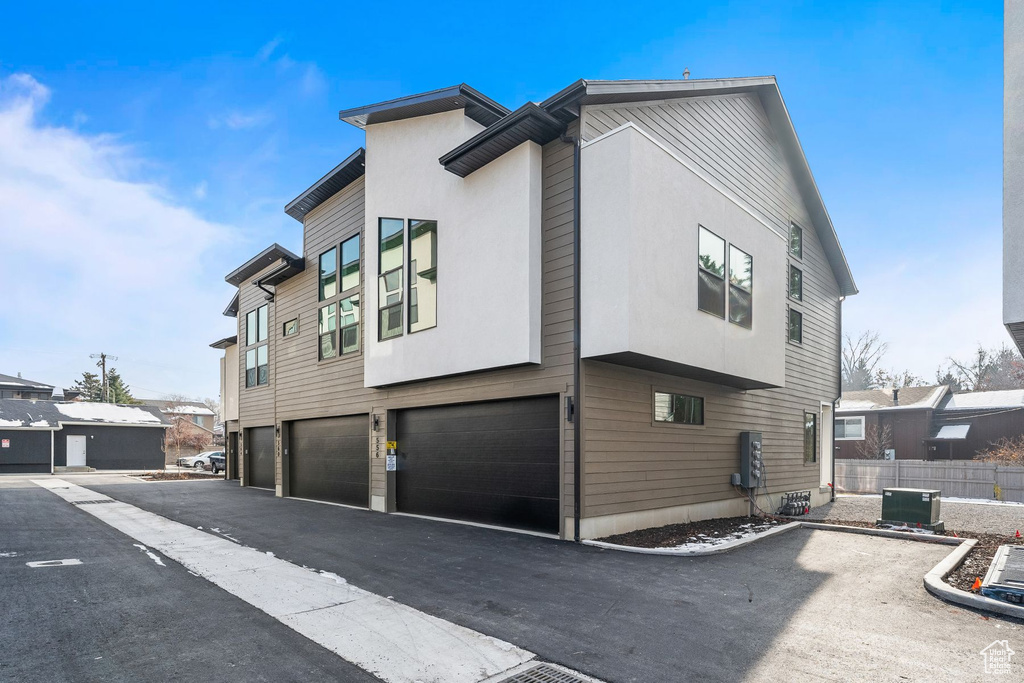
(706, 533)
(176, 476)
(965, 518)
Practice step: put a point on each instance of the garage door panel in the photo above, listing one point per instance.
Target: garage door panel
(260, 460)
(329, 460)
(495, 462)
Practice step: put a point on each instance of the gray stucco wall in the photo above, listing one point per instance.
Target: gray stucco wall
(1013, 167)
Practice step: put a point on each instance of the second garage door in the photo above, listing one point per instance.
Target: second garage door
(494, 463)
(259, 461)
(329, 459)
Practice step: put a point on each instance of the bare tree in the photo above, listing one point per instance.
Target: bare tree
(877, 440)
(1005, 451)
(898, 379)
(860, 360)
(214, 405)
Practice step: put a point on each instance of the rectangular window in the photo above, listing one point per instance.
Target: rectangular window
(328, 274)
(262, 365)
(810, 438)
(678, 408)
(291, 327)
(197, 419)
(328, 331)
(250, 328)
(796, 284)
(422, 275)
(250, 368)
(711, 273)
(350, 263)
(796, 240)
(741, 284)
(348, 323)
(389, 285)
(850, 428)
(262, 323)
(796, 326)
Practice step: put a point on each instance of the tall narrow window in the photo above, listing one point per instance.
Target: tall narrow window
(422, 275)
(328, 274)
(262, 364)
(350, 263)
(250, 368)
(741, 287)
(711, 273)
(250, 328)
(257, 360)
(328, 331)
(796, 326)
(262, 323)
(796, 240)
(389, 285)
(810, 438)
(348, 323)
(796, 284)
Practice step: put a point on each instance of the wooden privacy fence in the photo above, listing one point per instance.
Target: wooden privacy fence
(955, 478)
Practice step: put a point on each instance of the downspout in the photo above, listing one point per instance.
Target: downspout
(835, 402)
(576, 431)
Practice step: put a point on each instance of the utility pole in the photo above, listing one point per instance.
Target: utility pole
(103, 364)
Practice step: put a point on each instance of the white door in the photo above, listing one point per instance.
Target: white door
(827, 451)
(76, 450)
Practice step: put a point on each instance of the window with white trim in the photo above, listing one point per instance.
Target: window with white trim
(850, 428)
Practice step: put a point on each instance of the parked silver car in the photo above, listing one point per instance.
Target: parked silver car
(200, 461)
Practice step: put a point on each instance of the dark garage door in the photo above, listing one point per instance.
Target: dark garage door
(495, 463)
(259, 463)
(329, 459)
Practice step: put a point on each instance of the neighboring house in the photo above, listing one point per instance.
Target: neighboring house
(195, 412)
(1013, 170)
(229, 379)
(17, 387)
(928, 423)
(193, 427)
(47, 436)
(439, 349)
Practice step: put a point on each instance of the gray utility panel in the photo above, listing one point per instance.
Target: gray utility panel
(329, 459)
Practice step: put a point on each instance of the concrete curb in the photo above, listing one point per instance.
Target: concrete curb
(934, 583)
(712, 550)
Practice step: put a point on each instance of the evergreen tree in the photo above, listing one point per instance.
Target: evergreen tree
(117, 390)
(90, 387)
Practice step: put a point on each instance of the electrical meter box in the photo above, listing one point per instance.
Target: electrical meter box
(913, 507)
(751, 462)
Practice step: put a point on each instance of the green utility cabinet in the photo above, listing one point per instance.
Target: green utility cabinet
(913, 507)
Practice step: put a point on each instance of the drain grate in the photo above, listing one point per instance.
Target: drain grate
(93, 502)
(544, 673)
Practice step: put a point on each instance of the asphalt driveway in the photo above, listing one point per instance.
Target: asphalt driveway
(807, 604)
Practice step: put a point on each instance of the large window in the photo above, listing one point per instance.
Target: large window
(741, 283)
(796, 240)
(810, 438)
(711, 273)
(796, 326)
(328, 330)
(389, 283)
(678, 408)
(257, 370)
(850, 428)
(338, 321)
(348, 323)
(796, 283)
(328, 274)
(422, 275)
(350, 263)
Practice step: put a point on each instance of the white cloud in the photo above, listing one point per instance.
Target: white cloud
(199, 191)
(267, 49)
(93, 259)
(236, 120)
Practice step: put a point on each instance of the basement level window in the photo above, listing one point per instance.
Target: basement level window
(678, 408)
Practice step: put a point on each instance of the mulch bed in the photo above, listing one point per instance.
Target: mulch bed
(675, 535)
(974, 565)
(174, 476)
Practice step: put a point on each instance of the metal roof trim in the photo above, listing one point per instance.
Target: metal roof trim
(232, 310)
(552, 128)
(478, 106)
(225, 342)
(334, 181)
(258, 263)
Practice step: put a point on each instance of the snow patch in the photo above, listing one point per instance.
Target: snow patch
(331, 575)
(107, 412)
(40, 423)
(153, 556)
(702, 541)
(11, 423)
(9, 554)
(186, 410)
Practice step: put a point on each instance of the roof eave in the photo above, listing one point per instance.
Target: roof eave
(258, 263)
(478, 106)
(336, 180)
(528, 123)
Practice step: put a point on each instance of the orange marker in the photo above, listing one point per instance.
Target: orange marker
(977, 584)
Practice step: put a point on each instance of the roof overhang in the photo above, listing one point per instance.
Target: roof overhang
(232, 310)
(225, 342)
(528, 123)
(340, 177)
(566, 104)
(260, 262)
(480, 108)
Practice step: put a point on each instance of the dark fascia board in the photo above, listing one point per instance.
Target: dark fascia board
(232, 310)
(225, 342)
(479, 107)
(259, 262)
(284, 270)
(529, 122)
(340, 177)
(565, 105)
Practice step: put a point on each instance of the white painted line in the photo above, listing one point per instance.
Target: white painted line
(54, 563)
(392, 641)
(151, 554)
(539, 534)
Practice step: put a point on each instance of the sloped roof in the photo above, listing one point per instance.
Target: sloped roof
(25, 414)
(22, 383)
(272, 254)
(986, 400)
(478, 107)
(336, 180)
(881, 399)
(952, 432)
(180, 407)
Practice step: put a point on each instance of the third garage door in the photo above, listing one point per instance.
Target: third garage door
(494, 463)
(259, 451)
(329, 459)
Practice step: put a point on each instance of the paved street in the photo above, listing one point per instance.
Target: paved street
(813, 605)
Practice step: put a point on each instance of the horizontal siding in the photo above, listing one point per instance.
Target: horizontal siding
(632, 465)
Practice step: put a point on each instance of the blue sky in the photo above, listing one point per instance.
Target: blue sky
(146, 152)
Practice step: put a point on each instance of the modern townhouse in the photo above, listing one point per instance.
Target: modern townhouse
(1013, 171)
(569, 318)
